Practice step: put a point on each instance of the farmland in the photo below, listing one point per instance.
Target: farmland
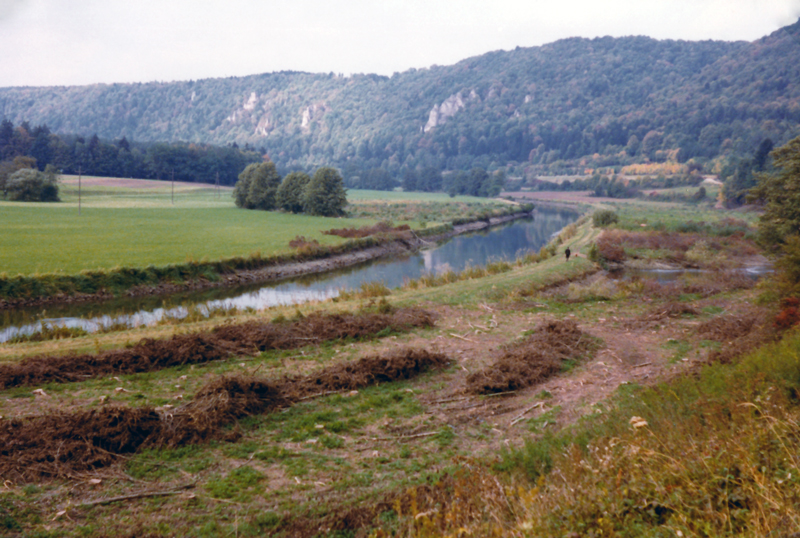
(348, 418)
(133, 223)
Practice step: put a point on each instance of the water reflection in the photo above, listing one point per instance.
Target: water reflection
(477, 249)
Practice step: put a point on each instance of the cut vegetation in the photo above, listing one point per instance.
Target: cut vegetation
(537, 397)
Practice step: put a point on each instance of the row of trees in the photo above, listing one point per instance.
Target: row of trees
(616, 187)
(260, 187)
(202, 163)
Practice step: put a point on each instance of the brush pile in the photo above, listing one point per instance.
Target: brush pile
(540, 356)
(68, 444)
(221, 343)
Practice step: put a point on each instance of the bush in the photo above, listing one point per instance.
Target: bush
(609, 249)
(604, 217)
(30, 185)
(593, 254)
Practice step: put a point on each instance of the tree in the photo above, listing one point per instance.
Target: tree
(325, 194)
(7, 168)
(410, 180)
(430, 180)
(30, 185)
(762, 154)
(6, 135)
(257, 186)
(738, 184)
(290, 194)
(651, 144)
(780, 194)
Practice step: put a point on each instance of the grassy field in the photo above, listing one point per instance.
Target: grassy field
(103, 238)
(134, 223)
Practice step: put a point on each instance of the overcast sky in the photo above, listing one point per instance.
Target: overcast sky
(67, 42)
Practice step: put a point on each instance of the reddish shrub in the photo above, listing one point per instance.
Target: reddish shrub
(300, 242)
(381, 227)
(609, 249)
(789, 314)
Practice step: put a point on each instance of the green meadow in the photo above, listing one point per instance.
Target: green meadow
(136, 227)
(48, 240)
(137, 223)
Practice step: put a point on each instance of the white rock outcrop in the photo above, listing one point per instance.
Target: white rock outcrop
(312, 113)
(449, 107)
(251, 103)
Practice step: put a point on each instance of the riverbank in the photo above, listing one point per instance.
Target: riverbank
(434, 452)
(308, 259)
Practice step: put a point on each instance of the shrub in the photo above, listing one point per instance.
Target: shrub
(30, 185)
(593, 254)
(610, 250)
(789, 314)
(604, 217)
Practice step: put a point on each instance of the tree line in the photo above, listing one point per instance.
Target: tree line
(73, 154)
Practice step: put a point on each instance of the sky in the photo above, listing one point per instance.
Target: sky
(77, 42)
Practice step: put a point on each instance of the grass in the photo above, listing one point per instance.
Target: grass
(105, 238)
(717, 456)
(685, 218)
(356, 196)
(123, 227)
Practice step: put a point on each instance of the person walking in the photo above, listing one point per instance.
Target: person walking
(567, 253)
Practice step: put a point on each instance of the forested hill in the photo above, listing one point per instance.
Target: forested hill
(569, 105)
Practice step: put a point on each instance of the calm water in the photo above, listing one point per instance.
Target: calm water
(502, 243)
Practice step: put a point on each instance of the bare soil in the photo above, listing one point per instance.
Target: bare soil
(142, 184)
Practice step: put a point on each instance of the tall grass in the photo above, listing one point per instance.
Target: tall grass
(716, 454)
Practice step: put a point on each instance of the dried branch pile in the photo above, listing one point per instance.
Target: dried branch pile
(66, 444)
(222, 342)
(533, 360)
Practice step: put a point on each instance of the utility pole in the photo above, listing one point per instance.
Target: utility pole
(79, 191)
(173, 186)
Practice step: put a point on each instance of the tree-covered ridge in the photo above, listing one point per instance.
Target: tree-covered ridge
(566, 106)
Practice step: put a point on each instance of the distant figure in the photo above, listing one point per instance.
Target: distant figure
(567, 253)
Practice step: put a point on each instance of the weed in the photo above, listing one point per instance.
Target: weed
(267, 520)
(238, 484)
(331, 441)
(49, 332)
(679, 349)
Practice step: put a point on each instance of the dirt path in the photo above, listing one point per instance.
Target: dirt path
(645, 334)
